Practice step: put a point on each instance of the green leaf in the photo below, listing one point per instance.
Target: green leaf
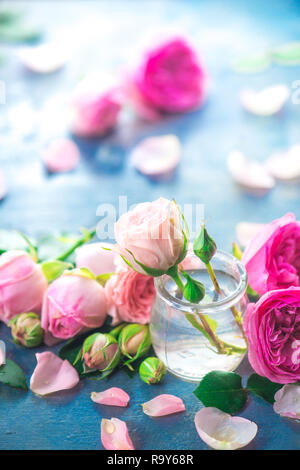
(51, 246)
(222, 390)
(253, 63)
(287, 54)
(11, 374)
(53, 269)
(150, 271)
(103, 278)
(253, 296)
(263, 387)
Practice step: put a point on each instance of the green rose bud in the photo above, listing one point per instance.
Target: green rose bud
(152, 370)
(193, 291)
(204, 246)
(134, 340)
(26, 329)
(100, 352)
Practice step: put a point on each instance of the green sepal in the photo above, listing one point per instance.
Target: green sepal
(115, 332)
(103, 278)
(31, 248)
(83, 272)
(53, 269)
(128, 332)
(193, 290)
(150, 271)
(236, 251)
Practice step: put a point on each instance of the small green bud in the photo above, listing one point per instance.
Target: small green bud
(135, 340)
(26, 329)
(152, 370)
(100, 352)
(193, 291)
(204, 246)
(236, 251)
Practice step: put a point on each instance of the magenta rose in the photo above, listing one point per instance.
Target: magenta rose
(272, 326)
(272, 258)
(151, 234)
(130, 296)
(72, 304)
(171, 78)
(96, 106)
(22, 284)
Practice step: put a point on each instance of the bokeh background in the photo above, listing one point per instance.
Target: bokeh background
(107, 35)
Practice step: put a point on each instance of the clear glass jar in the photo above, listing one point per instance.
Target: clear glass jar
(216, 342)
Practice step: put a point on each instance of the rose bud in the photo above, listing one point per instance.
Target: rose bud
(101, 352)
(72, 304)
(26, 329)
(151, 238)
(152, 370)
(96, 104)
(22, 284)
(193, 290)
(135, 340)
(204, 246)
(97, 257)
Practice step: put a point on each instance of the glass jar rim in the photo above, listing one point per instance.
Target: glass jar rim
(210, 307)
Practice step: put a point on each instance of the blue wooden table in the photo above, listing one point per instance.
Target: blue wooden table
(105, 34)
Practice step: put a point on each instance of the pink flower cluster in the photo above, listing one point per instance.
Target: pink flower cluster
(272, 325)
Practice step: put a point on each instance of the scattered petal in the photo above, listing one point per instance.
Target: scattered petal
(52, 374)
(157, 157)
(163, 405)
(61, 155)
(287, 54)
(245, 231)
(252, 64)
(45, 58)
(112, 396)
(285, 166)
(221, 431)
(3, 190)
(2, 353)
(266, 102)
(287, 401)
(250, 175)
(114, 435)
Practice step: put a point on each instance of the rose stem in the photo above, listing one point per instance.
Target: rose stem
(85, 238)
(191, 318)
(235, 312)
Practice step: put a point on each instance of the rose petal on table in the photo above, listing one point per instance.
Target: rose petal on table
(52, 374)
(163, 405)
(97, 257)
(45, 58)
(113, 396)
(285, 166)
(246, 231)
(61, 155)
(2, 353)
(3, 189)
(266, 102)
(287, 401)
(157, 157)
(249, 175)
(221, 431)
(114, 435)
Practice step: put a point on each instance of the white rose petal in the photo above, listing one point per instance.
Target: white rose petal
(285, 166)
(266, 102)
(287, 401)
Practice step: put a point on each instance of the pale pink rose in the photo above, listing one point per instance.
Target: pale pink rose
(72, 304)
(130, 296)
(272, 258)
(96, 106)
(113, 396)
(52, 374)
(272, 328)
(22, 284)
(171, 78)
(97, 259)
(114, 435)
(153, 233)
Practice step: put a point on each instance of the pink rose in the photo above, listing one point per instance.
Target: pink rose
(171, 78)
(22, 284)
(96, 107)
(72, 303)
(97, 259)
(130, 296)
(152, 232)
(272, 326)
(272, 258)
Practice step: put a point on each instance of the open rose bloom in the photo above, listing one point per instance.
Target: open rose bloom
(272, 258)
(22, 284)
(171, 78)
(272, 326)
(72, 303)
(151, 237)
